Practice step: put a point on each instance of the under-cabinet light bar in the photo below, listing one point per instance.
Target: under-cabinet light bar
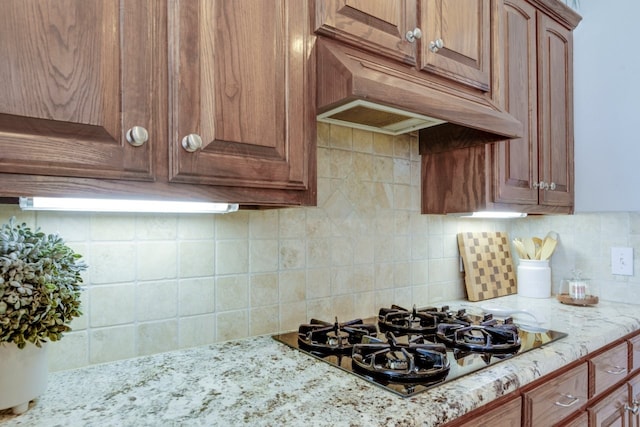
(492, 215)
(122, 205)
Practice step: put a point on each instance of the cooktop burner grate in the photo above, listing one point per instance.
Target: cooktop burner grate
(410, 351)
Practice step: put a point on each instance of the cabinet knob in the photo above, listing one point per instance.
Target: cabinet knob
(413, 35)
(538, 185)
(552, 186)
(436, 45)
(137, 136)
(192, 142)
(633, 409)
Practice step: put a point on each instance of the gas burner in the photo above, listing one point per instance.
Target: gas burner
(419, 321)
(489, 336)
(417, 361)
(324, 337)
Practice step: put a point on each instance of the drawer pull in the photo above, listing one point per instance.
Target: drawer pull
(617, 371)
(572, 400)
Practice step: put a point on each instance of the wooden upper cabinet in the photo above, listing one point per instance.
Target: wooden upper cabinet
(457, 40)
(516, 161)
(379, 26)
(537, 169)
(74, 78)
(239, 82)
(238, 76)
(555, 109)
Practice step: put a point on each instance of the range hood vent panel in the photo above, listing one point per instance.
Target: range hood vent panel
(377, 118)
(359, 90)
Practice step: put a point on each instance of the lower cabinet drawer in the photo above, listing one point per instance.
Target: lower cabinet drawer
(557, 398)
(635, 353)
(609, 368)
(508, 414)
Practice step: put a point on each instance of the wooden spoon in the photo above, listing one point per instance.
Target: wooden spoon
(548, 247)
(522, 252)
(530, 247)
(538, 243)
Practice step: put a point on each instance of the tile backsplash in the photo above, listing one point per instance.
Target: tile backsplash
(163, 282)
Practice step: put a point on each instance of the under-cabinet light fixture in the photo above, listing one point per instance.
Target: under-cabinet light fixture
(122, 205)
(492, 215)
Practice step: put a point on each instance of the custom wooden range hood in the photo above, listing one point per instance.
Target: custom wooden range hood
(365, 91)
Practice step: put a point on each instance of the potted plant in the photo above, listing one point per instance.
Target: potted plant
(40, 279)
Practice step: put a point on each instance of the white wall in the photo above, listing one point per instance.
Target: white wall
(607, 106)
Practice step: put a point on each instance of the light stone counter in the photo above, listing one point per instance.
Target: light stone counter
(261, 382)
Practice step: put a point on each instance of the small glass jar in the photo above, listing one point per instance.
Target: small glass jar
(578, 291)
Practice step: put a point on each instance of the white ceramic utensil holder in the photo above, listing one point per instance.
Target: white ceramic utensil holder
(534, 278)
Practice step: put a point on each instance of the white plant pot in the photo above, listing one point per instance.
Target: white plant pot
(23, 375)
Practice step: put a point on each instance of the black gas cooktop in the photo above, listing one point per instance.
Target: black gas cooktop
(408, 351)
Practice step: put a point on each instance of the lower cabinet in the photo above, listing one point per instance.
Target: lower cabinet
(508, 414)
(557, 398)
(611, 411)
(601, 389)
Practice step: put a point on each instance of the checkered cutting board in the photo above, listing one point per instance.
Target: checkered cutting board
(488, 266)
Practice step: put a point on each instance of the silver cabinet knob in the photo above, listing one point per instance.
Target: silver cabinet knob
(137, 136)
(192, 142)
(436, 45)
(413, 35)
(544, 185)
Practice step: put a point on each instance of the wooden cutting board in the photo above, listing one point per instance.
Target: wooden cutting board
(488, 266)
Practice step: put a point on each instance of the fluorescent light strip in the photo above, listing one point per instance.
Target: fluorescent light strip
(494, 215)
(121, 205)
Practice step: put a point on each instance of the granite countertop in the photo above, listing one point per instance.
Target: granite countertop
(259, 381)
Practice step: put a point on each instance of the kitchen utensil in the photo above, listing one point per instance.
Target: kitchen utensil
(530, 247)
(522, 252)
(488, 266)
(538, 242)
(548, 247)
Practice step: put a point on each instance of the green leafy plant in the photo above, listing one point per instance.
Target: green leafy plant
(39, 285)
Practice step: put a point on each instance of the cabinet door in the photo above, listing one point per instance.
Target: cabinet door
(464, 28)
(379, 26)
(75, 75)
(610, 411)
(516, 161)
(240, 81)
(634, 400)
(555, 111)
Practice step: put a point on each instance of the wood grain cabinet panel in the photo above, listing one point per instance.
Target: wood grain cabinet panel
(75, 76)
(381, 26)
(557, 398)
(378, 26)
(463, 28)
(239, 76)
(608, 368)
(238, 79)
(508, 414)
(611, 411)
(634, 344)
(634, 400)
(532, 174)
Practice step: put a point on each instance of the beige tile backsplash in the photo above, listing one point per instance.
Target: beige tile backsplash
(162, 282)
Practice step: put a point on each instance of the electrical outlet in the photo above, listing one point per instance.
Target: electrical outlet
(622, 261)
